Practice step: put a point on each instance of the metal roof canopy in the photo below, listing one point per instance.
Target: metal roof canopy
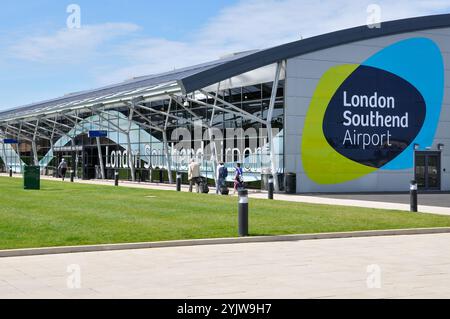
(148, 87)
(191, 79)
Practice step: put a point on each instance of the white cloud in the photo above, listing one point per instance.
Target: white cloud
(151, 56)
(263, 23)
(249, 24)
(69, 45)
(257, 24)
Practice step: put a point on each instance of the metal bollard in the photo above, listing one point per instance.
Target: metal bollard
(243, 213)
(271, 188)
(413, 192)
(72, 176)
(178, 182)
(10, 172)
(116, 178)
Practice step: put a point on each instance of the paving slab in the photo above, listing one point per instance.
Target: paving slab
(403, 266)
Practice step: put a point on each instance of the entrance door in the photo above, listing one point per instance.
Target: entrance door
(90, 160)
(428, 170)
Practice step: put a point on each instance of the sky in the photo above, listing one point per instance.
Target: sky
(45, 54)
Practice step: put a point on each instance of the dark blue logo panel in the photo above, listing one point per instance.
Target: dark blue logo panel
(374, 116)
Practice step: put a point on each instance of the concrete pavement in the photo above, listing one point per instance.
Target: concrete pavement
(402, 267)
(367, 203)
(440, 199)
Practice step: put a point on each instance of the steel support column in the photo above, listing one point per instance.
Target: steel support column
(33, 145)
(213, 143)
(130, 154)
(18, 148)
(166, 143)
(168, 158)
(100, 158)
(5, 158)
(126, 133)
(273, 159)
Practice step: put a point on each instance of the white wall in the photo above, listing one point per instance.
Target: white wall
(302, 76)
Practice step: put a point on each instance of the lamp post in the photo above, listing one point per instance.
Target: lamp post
(271, 187)
(413, 196)
(243, 213)
(178, 182)
(116, 178)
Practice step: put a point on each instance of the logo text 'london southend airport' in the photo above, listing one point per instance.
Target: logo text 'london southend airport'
(363, 118)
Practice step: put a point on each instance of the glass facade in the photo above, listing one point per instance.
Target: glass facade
(200, 130)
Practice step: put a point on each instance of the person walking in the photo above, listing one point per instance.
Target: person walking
(238, 178)
(194, 175)
(221, 177)
(62, 168)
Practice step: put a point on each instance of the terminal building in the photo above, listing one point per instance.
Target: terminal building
(358, 110)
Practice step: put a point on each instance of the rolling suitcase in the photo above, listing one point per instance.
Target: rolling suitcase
(224, 190)
(203, 187)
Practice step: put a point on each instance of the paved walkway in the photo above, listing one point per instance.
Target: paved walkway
(441, 199)
(402, 267)
(428, 203)
(366, 203)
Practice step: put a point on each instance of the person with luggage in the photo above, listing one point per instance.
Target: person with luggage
(238, 178)
(194, 176)
(62, 168)
(221, 178)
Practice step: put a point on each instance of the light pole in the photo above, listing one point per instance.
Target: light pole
(243, 213)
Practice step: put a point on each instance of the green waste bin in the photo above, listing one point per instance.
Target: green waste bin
(32, 177)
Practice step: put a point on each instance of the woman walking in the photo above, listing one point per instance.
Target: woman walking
(238, 178)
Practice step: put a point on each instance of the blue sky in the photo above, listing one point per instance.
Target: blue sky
(41, 58)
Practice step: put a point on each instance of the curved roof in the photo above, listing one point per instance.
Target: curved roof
(290, 50)
(128, 88)
(190, 79)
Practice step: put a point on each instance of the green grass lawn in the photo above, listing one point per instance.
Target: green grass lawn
(64, 214)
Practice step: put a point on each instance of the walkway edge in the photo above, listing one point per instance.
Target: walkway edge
(219, 241)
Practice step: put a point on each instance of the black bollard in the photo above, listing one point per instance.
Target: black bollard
(72, 176)
(116, 178)
(10, 172)
(178, 182)
(271, 187)
(243, 213)
(413, 192)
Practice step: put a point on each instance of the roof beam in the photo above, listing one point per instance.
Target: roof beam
(252, 117)
(35, 133)
(32, 126)
(234, 107)
(175, 98)
(150, 92)
(58, 123)
(169, 115)
(55, 129)
(22, 136)
(100, 115)
(70, 118)
(151, 125)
